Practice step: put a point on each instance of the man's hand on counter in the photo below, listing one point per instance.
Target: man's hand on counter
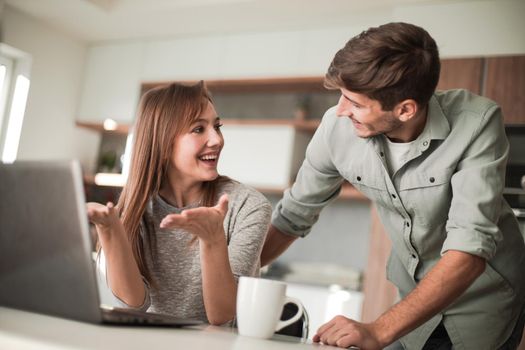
(344, 332)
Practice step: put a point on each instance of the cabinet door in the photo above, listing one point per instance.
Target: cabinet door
(379, 293)
(461, 73)
(258, 155)
(112, 83)
(505, 84)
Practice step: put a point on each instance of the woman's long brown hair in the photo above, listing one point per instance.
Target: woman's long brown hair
(164, 113)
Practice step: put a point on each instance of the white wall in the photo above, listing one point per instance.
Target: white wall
(474, 28)
(461, 29)
(471, 28)
(49, 130)
(490, 27)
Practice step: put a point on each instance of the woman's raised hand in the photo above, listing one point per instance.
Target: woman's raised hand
(103, 216)
(206, 223)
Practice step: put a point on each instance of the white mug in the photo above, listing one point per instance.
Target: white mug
(260, 303)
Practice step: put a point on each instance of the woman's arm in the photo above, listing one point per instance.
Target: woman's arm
(219, 288)
(123, 275)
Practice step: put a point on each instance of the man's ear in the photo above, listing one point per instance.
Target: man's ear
(406, 110)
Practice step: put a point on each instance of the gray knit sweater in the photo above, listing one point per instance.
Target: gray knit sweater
(174, 262)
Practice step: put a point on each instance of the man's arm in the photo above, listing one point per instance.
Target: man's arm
(276, 243)
(318, 182)
(444, 283)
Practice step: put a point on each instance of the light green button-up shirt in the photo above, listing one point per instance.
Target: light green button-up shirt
(447, 195)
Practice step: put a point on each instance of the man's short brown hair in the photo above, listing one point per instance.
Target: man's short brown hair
(389, 63)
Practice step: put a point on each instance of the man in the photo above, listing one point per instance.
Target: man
(434, 165)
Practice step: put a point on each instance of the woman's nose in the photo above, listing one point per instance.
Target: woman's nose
(215, 138)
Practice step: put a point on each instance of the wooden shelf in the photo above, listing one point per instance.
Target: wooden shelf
(257, 122)
(91, 179)
(278, 85)
(122, 129)
(309, 125)
(302, 125)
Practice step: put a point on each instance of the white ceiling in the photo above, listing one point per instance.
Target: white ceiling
(101, 20)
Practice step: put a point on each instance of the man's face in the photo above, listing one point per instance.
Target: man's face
(366, 114)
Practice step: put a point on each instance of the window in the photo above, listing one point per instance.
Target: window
(16, 117)
(14, 88)
(6, 67)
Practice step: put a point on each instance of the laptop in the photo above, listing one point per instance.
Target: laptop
(46, 262)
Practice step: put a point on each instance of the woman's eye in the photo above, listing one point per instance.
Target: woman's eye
(198, 129)
(218, 126)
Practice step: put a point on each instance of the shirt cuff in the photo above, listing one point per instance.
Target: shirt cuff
(470, 241)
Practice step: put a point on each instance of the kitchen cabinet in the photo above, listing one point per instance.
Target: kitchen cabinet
(111, 86)
(505, 84)
(461, 73)
(379, 293)
(258, 155)
(501, 79)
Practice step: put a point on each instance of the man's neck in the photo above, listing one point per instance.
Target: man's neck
(411, 129)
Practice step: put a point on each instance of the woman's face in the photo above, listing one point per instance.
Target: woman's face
(196, 152)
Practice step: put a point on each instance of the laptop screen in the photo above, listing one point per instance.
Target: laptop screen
(45, 246)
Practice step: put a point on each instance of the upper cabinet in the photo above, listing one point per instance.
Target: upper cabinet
(464, 73)
(505, 84)
(501, 79)
(258, 155)
(112, 83)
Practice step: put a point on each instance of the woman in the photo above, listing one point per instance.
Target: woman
(180, 235)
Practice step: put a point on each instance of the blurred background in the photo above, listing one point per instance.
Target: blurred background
(72, 73)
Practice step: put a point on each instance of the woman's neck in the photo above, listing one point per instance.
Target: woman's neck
(179, 194)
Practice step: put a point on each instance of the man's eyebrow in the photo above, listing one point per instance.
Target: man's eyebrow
(349, 99)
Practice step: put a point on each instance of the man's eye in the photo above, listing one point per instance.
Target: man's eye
(356, 106)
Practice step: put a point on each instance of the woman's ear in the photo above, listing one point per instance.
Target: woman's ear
(406, 110)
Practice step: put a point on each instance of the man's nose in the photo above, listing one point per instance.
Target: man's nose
(343, 109)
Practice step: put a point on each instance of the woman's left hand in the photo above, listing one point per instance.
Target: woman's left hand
(206, 223)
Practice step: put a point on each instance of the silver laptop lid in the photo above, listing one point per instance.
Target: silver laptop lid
(45, 245)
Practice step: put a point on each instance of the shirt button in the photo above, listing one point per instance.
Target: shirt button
(432, 179)
(359, 178)
(393, 196)
(425, 143)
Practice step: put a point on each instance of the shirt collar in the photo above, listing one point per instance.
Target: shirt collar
(437, 126)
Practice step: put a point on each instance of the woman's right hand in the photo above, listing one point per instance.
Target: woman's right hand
(123, 274)
(103, 216)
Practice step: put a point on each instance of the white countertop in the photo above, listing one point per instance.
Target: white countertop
(26, 330)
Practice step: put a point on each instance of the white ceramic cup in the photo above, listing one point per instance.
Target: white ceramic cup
(260, 304)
